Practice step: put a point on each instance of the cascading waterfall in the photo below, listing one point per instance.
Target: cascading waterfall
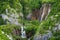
(23, 32)
(14, 21)
(43, 11)
(49, 9)
(46, 10)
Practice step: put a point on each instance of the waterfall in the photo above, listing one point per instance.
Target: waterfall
(46, 8)
(49, 9)
(23, 32)
(13, 20)
(43, 11)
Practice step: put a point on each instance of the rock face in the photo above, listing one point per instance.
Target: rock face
(43, 37)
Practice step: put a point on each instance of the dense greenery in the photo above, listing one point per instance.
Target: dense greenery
(33, 27)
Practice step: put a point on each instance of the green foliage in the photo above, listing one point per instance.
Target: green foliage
(46, 1)
(52, 38)
(8, 29)
(30, 26)
(3, 36)
(1, 21)
(51, 20)
(34, 4)
(56, 35)
(8, 4)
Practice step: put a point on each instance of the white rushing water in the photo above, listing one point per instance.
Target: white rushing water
(23, 32)
(49, 9)
(43, 12)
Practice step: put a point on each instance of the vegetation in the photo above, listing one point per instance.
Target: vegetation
(32, 27)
